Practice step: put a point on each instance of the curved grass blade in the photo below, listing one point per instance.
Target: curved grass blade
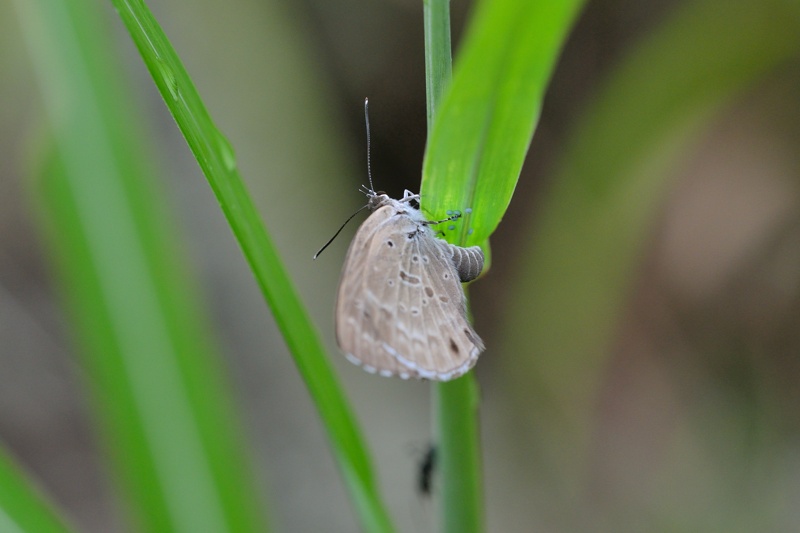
(22, 508)
(455, 403)
(217, 161)
(484, 126)
(480, 135)
(611, 179)
(167, 416)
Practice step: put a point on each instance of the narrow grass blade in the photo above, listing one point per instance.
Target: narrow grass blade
(455, 403)
(438, 54)
(478, 141)
(484, 126)
(611, 179)
(217, 161)
(166, 415)
(22, 508)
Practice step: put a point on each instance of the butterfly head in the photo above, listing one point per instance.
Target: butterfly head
(375, 199)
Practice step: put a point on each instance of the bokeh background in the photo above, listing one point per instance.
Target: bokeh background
(693, 421)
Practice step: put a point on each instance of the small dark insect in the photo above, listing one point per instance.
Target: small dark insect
(426, 468)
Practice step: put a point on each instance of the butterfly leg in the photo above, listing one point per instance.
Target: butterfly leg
(409, 197)
(452, 217)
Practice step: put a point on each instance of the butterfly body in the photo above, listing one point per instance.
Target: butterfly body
(400, 308)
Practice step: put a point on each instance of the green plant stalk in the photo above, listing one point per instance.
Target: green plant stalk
(217, 161)
(456, 402)
(485, 123)
(22, 508)
(478, 137)
(458, 455)
(438, 54)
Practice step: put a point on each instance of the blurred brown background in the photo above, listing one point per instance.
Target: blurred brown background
(710, 333)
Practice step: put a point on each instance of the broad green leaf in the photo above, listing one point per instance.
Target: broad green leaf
(456, 403)
(482, 130)
(478, 140)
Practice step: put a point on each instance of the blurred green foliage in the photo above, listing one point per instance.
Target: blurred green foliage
(716, 446)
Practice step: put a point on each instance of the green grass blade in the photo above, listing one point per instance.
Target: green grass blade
(456, 403)
(458, 455)
(438, 53)
(166, 414)
(217, 161)
(484, 126)
(609, 184)
(22, 508)
(480, 135)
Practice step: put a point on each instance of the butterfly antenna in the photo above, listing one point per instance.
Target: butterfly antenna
(366, 119)
(339, 231)
(370, 192)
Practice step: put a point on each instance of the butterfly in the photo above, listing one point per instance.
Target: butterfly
(400, 309)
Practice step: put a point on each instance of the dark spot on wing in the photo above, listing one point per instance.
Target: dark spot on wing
(390, 243)
(429, 292)
(444, 299)
(453, 346)
(408, 278)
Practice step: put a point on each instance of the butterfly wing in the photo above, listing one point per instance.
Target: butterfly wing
(400, 308)
(365, 304)
(439, 342)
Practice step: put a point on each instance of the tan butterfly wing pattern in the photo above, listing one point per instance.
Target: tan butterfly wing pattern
(400, 309)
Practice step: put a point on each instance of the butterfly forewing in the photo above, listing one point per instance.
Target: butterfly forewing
(400, 308)
(361, 311)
